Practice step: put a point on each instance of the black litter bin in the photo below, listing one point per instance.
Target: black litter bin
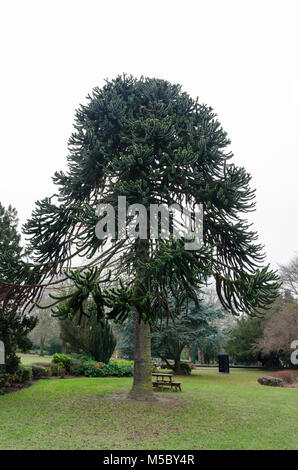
(223, 363)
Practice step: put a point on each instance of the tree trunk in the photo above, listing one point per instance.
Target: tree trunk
(201, 357)
(41, 346)
(170, 366)
(142, 382)
(177, 365)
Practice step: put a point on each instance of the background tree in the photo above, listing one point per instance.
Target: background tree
(289, 276)
(192, 326)
(149, 141)
(46, 331)
(242, 339)
(208, 350)
(244, 347)
(14, 330)
(125, 342)
(14, 327)
(280, 329)
(92, 336)
(9, 237)
(210, 347)
(269, 339)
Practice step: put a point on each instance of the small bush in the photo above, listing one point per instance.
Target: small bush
(61, 359)
(76, 367)
(6, 380)
(12, 364)
(186, 369)
(94, 369)
(38, 372)
(23, 374)
(124, 371)
(54, 369)
(58, 369)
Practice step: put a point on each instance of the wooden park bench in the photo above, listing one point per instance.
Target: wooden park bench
(165, 381)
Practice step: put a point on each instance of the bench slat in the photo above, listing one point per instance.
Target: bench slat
(176, 385)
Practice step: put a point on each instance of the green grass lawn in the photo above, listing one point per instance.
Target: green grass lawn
(28, 359)
(212, 412)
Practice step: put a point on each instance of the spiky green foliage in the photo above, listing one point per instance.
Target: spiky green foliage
(149, 141)
(89, 334)
(85, 284)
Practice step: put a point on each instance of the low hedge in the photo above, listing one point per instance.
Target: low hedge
(38, 372)
(98, 369)
(54, 369)
(83, 364)
(186, 369)
(62, 360)
(6, 380)
(121, 362)
(23, 374)
(76, 366)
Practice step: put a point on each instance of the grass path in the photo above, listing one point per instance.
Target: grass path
(213, 412)
(28, 359)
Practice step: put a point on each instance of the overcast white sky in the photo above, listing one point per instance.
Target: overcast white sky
(240, 57)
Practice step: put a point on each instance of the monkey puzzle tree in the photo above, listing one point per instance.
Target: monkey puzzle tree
(146, 140)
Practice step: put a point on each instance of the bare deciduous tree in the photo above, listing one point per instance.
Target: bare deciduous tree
(289, 276)
(47, 326)
(280, 329)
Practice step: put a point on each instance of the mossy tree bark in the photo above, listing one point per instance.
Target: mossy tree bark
(142, 382)
(177, 366)
(176, 354)
(41, 346)
(201, 357)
